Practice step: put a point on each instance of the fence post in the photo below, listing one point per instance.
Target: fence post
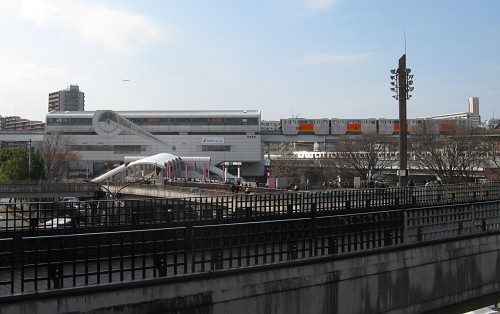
(313, 210)
(388, 238)
(33, 224)
(405, 227)
(473, 217)
(55, 275)
(219, 214)
(135, 219)
(190, 246)
(292, 250)
(217, 259)
(332, 246)
(160, 263)
(170, 216)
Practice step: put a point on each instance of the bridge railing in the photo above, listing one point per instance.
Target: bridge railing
(26, 189)
(105, 215)
(428, 223)
(30, 264)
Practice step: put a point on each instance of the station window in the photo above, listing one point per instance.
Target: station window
(127, 149)
(215, 148)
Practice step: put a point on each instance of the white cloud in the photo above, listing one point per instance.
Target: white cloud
(27, 83)
(319, 5)
(113, 28)
(329, 58)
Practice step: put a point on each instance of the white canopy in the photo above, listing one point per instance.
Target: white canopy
(159, 160)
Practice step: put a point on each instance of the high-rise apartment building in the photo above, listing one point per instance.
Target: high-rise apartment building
(474, 105)
(70, 99)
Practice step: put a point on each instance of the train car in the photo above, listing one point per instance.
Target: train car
(335, 126)
(345, 126)
(369, 126)
(438, 126)
(386, 126)
(296, 126)
(420, 125)
(397, 127)
(358, 126)
(338, 126)
(353, 127)
(448, 126)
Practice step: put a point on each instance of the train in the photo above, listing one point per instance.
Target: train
(382, 126)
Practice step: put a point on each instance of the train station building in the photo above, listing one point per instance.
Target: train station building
(102, 140)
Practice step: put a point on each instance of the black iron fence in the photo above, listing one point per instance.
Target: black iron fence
(37, 218)
(36, 263)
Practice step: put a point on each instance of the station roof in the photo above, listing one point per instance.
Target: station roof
(159, 160)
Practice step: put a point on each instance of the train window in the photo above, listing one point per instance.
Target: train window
(153, 121)
(200, 121)
(53, 121)
(233, 121)
(216, 121)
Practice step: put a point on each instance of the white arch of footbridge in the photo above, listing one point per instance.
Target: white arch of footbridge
(171, 166)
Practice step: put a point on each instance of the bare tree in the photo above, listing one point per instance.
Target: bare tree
(56, 153)
(491, 143)
(286, 166)
(360, 157)
(452, 157)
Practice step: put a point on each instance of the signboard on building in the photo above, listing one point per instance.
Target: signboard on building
(212, 140)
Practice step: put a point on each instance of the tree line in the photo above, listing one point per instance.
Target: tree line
(29, 163)
(455, 157)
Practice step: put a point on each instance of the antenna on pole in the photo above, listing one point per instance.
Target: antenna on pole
(404, 33)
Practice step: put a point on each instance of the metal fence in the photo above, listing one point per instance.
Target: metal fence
(39, 218)
(36, 263)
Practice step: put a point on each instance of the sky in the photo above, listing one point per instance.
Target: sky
(301, 58)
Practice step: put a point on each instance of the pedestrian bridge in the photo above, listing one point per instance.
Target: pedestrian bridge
(346, 257)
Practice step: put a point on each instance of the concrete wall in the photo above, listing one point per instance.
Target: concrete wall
(408, 279)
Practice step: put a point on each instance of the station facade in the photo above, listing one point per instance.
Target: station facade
(104, 138)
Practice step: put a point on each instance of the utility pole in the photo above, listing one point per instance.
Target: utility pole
(401, 85)
(29, 161)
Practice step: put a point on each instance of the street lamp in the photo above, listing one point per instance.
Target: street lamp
(401, 87)
(118, 189)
